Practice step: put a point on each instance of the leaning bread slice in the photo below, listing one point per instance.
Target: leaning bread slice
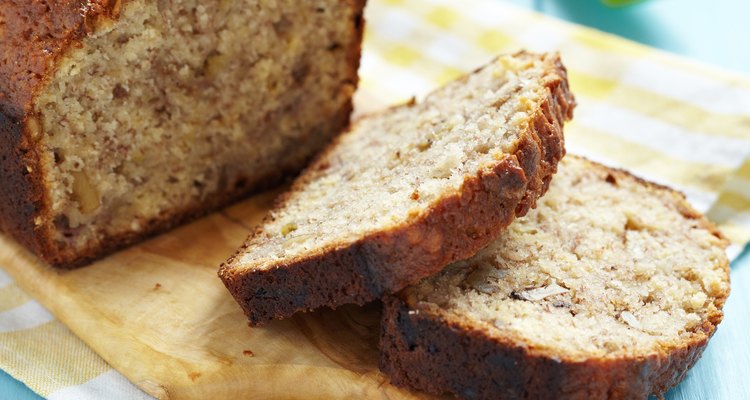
(610, 289)
(405, 192)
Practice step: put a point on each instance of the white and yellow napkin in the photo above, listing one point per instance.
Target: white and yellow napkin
(665, 118)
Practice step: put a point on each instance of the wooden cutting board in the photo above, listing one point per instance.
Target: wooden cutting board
(158, 313)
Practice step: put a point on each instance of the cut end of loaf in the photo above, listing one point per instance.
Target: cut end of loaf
(610, 276)
(408, 190)
(176, 107)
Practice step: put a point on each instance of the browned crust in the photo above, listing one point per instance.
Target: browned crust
(442, 354)
(20, 200)
(437, 356)
(455, 228)
(36, 35)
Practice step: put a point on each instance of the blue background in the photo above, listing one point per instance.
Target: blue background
(715, 32)
(712, 31)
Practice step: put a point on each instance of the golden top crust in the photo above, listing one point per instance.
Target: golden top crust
(33, 34)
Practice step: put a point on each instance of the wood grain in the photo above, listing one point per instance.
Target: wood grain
(158, 313)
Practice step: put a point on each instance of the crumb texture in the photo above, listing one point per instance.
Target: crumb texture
(407, 191)
(393, 167)
(177, 104)
(610, 277)
(604, 266)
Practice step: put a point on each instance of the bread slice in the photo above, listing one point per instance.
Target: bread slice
(610, 289)
(119, 119)
(407, 191)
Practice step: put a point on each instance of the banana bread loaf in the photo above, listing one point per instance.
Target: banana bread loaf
(406, 191)
(610, 289)
(121, 118)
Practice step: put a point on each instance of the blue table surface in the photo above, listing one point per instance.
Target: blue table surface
(708, 31)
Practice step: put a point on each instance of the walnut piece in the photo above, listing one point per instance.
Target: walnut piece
(539, 293)
(85, 193)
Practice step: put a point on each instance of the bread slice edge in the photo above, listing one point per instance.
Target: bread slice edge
(446, 342)
(387, 261)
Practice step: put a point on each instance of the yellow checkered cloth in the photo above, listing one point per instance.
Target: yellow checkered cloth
(665, 118)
